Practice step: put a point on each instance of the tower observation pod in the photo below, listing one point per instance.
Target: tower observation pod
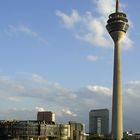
(117, 26)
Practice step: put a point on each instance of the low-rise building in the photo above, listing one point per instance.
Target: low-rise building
(41, 130)
(131, 136)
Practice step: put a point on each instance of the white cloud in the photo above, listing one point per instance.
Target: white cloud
(34, 86)
(132, 89)
(92, 58)
(69, 112)
(18, 114)
(95, 25)
(134, 82)
(105, 7)
(23, 29)
(32, 95)
(100, 89)
(131, 98)
(46, 94)
(97, 41)
(14, 99)
(39, 109)
(127, 42)
(69, 21)
(91, 29)
(38, 78)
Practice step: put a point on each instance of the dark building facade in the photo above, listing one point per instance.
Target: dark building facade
(47, 116)
(99, 121)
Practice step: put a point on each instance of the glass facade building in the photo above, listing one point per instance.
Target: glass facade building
(99, 121)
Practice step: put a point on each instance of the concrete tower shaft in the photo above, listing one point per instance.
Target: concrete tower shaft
(117, 115)
(117, 26)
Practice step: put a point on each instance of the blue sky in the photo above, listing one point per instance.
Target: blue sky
(58, 56)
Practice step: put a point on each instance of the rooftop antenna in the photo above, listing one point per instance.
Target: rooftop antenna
(117, 6)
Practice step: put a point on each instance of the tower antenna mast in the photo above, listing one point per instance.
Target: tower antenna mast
(117, 6)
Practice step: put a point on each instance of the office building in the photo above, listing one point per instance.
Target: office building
(47, 116)
(99, 121)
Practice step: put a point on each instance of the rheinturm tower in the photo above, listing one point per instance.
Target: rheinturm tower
(117, 26)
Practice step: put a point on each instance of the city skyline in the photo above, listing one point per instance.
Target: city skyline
(56, 56)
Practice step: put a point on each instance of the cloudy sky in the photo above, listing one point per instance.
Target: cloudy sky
(58, 56)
